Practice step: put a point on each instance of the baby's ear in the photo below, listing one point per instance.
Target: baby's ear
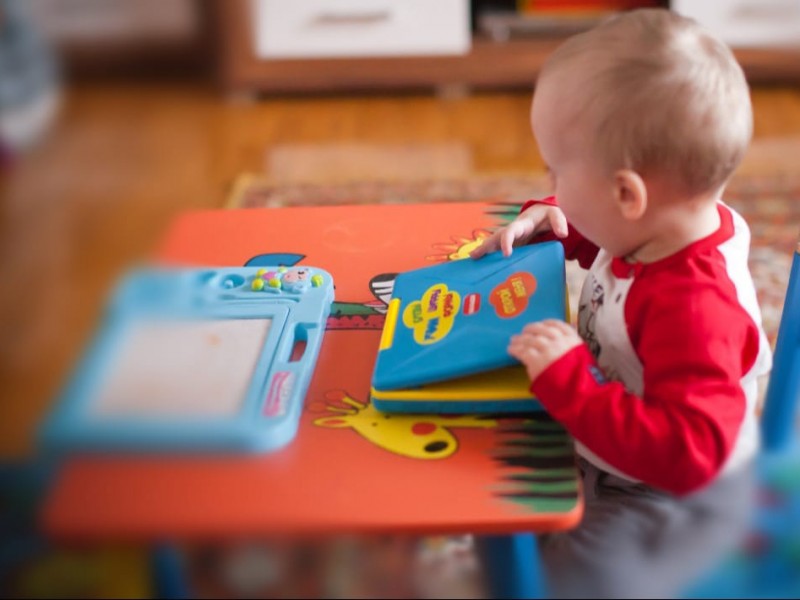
(630, 193)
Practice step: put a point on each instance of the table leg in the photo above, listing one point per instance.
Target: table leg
(169, 572)
(511, 564)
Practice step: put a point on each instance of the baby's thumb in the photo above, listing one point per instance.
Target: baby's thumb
(508, 237)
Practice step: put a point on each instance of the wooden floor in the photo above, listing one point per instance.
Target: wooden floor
(121, 161)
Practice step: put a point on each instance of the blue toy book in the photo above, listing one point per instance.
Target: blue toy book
(208, 359)
(448, 326)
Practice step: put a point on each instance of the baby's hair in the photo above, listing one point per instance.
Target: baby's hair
(664, 97)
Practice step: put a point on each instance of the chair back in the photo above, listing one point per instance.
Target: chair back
(783, 390)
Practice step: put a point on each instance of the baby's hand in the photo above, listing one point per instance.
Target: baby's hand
(541, 344)
(535, 220)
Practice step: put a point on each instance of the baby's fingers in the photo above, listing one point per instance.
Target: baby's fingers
(490, 244)
(511, 233)
(550, 328)
(507, 238)
(522, 351)
(558, 223)
(562, 326)
(530, 340)
(541, 329)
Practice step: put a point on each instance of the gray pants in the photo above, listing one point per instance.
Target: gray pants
(637, 542)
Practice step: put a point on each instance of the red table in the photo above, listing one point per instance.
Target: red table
(350, 469)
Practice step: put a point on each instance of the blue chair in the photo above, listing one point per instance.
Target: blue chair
(768, 566)
(784, 385)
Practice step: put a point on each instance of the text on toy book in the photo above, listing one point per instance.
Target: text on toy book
(510, 298)
(431, 318)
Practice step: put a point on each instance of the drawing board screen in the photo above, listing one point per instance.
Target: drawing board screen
(181, 369)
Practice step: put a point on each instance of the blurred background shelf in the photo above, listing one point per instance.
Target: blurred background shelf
(274, 46)
(507, 50)
(488, 64)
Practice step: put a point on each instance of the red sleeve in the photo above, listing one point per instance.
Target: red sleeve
(576, 247)
(678, 434)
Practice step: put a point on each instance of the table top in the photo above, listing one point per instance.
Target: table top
(350, 469)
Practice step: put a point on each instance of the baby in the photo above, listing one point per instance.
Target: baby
(641, 121)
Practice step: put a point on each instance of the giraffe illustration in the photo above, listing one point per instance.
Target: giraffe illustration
(423, 437)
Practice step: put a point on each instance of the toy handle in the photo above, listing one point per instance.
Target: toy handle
(297, 349)
(285, 389)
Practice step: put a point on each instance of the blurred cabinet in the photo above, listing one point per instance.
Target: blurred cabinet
(765, 34)
(119, 37)
(747, 23)
(331, 45)
(359, 28)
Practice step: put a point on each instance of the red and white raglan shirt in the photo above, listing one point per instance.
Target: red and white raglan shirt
(664, 390)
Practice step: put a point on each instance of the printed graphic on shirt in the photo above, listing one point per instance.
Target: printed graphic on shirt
(587, 316)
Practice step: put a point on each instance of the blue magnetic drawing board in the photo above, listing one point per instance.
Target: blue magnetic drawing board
(213, 359)
(448, 327)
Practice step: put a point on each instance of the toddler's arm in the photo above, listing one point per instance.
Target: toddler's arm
(679, 430)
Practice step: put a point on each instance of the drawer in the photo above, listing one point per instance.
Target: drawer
(360, 28)
(747, 23)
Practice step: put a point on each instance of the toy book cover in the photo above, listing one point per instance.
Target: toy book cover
(455, 319)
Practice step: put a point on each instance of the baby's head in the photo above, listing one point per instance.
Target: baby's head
(647, 92)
